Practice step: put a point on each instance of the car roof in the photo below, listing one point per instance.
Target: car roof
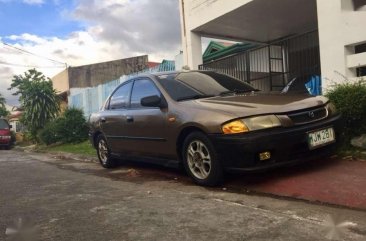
(157, 74)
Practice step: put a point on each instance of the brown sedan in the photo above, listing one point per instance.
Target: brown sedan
(211, 123)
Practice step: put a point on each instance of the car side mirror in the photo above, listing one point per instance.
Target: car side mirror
(10, 126)
(153, 101)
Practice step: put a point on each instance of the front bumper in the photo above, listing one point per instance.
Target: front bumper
(5, 143)
(288, 146)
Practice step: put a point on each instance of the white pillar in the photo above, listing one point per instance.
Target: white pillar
(191, 42)
(332, 57)
(193, 51)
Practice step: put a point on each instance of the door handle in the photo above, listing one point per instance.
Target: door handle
(102, 120)
(129, 119)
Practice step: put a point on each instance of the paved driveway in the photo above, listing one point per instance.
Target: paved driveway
(55, 198)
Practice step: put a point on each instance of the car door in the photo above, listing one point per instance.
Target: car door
(113, 118)
(147, 126)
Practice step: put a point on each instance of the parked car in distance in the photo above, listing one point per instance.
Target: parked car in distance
(212, 124)
(5, 135)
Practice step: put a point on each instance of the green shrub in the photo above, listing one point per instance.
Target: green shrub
(350, 100)
(75, 128)
(29, 138)
(52, 132)
(71, 127)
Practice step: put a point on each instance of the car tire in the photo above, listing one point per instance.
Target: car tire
(8, 147)
(104, 153)
(201, 161)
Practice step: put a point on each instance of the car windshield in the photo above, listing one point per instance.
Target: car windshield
(3, 124)
(194, 85)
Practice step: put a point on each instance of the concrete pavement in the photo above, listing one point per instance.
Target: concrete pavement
(62, 199)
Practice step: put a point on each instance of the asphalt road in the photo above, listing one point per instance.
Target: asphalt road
(56, 198)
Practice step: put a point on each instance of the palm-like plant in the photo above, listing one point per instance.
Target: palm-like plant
(2, 101)
(3, 111)
(38, 99)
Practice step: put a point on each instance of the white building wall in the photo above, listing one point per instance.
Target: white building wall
(195, 13)
(200, 12)
(340, 29)
(179, 64)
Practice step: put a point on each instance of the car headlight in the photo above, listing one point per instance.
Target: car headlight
(332, 110)
(251, 124)
(234, 127)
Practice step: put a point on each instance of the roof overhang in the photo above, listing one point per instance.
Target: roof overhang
(263, 21)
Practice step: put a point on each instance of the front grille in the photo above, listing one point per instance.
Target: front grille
(308, 116)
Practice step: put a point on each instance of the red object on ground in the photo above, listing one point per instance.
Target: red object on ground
(331, 181)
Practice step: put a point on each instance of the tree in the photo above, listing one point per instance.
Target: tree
(2, 101)
(3, 111)
(38, 99)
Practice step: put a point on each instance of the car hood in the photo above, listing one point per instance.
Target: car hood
(262, 103)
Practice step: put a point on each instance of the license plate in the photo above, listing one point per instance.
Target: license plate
(321, 138)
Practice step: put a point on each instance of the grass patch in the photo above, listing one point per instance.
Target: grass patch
(351, 151)
(83, 148)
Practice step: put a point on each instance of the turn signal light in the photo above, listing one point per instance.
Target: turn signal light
(234, 127)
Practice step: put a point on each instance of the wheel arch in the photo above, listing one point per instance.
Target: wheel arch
(95, 137)
(183, 135)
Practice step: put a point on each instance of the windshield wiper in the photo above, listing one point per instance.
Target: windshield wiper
(237, 92)
(193, 97)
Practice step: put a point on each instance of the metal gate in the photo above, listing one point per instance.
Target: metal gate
(270, 67)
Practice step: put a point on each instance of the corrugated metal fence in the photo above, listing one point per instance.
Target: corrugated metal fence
(91, 99)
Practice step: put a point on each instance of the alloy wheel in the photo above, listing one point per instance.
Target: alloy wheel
(199, 159)
(103, 151)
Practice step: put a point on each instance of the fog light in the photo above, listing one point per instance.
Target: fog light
(264, 155)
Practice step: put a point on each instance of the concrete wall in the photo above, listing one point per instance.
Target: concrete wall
(96, 74)
(340, 29)
(61, 81)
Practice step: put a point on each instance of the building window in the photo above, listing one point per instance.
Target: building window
(17, 126)
(361, 48)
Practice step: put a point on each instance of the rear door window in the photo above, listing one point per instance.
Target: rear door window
(120, 98)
